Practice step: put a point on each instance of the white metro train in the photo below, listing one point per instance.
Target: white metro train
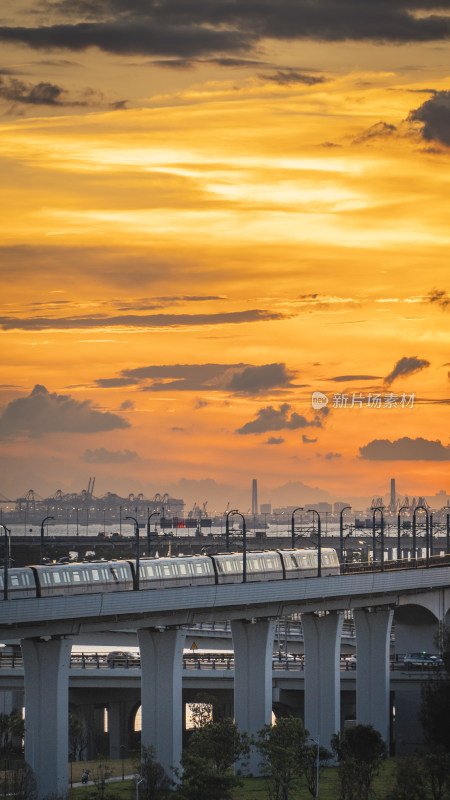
(165, 573)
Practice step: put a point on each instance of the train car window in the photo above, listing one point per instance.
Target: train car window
(199, 568)
(95, 575)
(56, 577)
(14, 580)
(76, 577)
(325, 559)
(182, 569)
(166, 569)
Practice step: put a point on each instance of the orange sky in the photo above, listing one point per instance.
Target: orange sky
(281, 217)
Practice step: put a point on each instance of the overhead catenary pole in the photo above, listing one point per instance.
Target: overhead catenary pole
(227, 528)
(7, 534)
(299, 508)
(244, 543)
(148, 529)
(399, 533)
(41, 548)
(136, 577)
(341, 533)
(374, 541)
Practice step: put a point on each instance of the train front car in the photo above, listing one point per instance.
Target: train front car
(81, 578)
(21, 583)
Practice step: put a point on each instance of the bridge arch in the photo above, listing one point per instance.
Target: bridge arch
(416, 626)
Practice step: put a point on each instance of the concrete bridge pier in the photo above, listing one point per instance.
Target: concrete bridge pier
(119, 713)
(161, 693)
(46, 680)
(322, 637)
(253, 647)
(373, 633)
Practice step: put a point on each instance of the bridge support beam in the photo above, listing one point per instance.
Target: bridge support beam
(253, 648)
(373, 632)
(46, 679)
(322, 637)
(161, 693)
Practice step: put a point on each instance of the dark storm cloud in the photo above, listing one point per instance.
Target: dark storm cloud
(134, 36)
(347, 378)
(307, 440)
(135, 321)
(200, 27)
(103, 456)
(274, 440)
(435, 116)
(440, 297)
(44, 412)
(405, 449)
(273, 419)
(287, 77)
(406, 366)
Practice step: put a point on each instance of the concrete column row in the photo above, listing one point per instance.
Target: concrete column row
(47, 663)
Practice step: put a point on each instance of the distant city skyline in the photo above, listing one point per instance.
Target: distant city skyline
(218, 498)
(224, 247)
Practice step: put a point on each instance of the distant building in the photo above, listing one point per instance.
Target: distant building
(265, 508)
(339, 506)
(322, 508)
(254, 496)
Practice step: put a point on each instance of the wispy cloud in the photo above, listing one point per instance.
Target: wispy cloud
(406, 366)
(137, 321)
(103, 456)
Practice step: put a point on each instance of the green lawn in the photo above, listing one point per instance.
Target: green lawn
(251, 789)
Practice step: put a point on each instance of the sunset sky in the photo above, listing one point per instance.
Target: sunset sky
(210, 210)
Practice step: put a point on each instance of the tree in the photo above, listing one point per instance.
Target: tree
(22, 783)
(360, 751)
(156, 783)
(207, 762)
(12, 727)
(313, 765)
(437, 769)
(410, 779)
(442, 642)
(78, 737)
(435, 712)
(102, 772)
(282, 747)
